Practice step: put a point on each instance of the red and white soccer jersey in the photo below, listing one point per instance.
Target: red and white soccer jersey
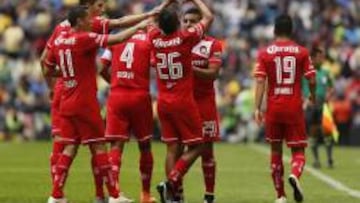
(74, 53)
(129, 103)
(207, 51)
(179, 117)
(99, 25)
(284, 63)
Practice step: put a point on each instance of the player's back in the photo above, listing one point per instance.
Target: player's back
(74, 53)
(284, 63)
(130, 63)
(173, 63)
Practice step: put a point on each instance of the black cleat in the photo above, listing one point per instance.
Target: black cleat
(298, 194)
(162, 190)
(209, 198)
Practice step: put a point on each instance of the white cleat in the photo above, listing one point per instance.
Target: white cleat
(121, 199)
(281, 200)
(295, 184)
(54, 200)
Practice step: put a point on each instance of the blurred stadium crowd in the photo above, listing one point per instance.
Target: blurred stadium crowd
(242, 25)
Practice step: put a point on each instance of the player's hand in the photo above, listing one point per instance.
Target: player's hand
(258, 116)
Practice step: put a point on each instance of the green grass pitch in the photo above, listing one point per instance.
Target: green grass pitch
(243, 175)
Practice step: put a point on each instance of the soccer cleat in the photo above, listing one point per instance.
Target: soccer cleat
(121, 199)
(55, 200)
(162, 188)
(295, 184)
(281, 200)
(147, 198)
(209, 198)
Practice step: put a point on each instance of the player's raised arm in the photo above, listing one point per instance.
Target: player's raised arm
(131, 20)
(126, 34)
(207, 15)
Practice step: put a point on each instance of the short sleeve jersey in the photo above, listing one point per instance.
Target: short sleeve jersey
(130, 62)
(207, 51)
(173, 61)
(99, 25)
(74, 53)
(284, 63)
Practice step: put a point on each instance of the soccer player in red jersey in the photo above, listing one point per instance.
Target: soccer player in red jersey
(179, 116)
(129, 107)
(81, 121)
(206, 61)
(99, 25)
(281, 66)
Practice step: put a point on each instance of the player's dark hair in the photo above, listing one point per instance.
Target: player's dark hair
(76, 13)
(315, 51)
(168, 21)
(86, 2)
(283, 26)
(193, 10)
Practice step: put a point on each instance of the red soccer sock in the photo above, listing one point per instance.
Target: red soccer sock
(146, 167)
(176, 175)
(297, 163)
(98, 179)
(277, 174)
(103, 164)
(54, 157)
(115, 162)
(61, 172)
(209, 167)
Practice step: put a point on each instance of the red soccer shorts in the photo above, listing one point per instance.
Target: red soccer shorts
(129, 113)
(209, 117)
(180, 122)
(85, 128)
(55, 113)
(293, 133)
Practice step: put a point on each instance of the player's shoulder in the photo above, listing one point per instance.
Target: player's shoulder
(139, 36)
(62, 27)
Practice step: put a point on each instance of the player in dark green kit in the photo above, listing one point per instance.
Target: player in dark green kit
(314, 112)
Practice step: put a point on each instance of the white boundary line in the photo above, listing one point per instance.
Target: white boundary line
(335, 184)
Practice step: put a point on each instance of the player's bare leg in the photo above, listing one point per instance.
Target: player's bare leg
(62, 167)
(146, 168)
(115, 156)
(297, 167)
(209, 171)
(277, 169)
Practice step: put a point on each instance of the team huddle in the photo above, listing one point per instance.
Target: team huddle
(187, 62)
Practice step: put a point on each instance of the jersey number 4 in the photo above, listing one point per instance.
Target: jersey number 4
(175, 69)
(127, 56)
